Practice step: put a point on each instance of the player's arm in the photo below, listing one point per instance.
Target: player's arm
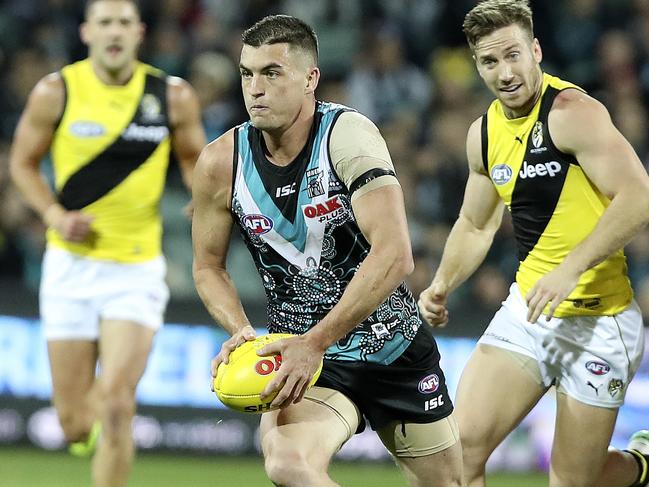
(377, 203)
(211, 229)
(471, 235)
(187, 134)
(581, 126)
(31, 142)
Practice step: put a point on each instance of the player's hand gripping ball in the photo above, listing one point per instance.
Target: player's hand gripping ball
(239, 383)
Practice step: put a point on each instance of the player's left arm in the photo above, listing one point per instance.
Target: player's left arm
(187, 133)
(581, 126)
(379, 210)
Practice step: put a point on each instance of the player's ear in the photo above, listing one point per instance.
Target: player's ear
(84, 33)
(536, 50)
(312, 79)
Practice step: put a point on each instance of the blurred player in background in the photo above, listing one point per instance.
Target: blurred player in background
(110, 123)
(577, 193)
(312, 188)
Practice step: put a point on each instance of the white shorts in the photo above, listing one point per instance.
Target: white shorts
(590, 358)
(77, 293)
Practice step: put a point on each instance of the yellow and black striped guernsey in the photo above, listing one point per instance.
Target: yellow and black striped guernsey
(553, 204)
(110, 153)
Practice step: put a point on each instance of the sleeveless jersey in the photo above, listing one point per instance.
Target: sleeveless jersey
(110, 154)
(298, 224)
(554, 205)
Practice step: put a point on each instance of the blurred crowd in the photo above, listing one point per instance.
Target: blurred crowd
(404, 64)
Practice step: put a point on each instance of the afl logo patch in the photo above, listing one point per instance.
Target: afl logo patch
(257, 224)
(597, 368)
(429, 384)
(501, 174)
(83, 128)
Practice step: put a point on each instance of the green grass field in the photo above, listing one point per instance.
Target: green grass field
(34, 468)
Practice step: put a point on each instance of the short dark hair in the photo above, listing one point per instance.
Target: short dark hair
(275, 29)
(491, 15)
(90, 3)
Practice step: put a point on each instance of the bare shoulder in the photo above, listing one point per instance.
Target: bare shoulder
(576, 118)
(178, 90)
(47, 99)
(474, 146)
(215, 161)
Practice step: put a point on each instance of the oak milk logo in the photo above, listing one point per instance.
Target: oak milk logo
(85, 128)
(501, 174)
(326, 211)
(537, 135)
(551, 169)
(429, 384)
(597, 368)
(257, 224)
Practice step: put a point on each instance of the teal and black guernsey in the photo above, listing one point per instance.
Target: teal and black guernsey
(298, 224)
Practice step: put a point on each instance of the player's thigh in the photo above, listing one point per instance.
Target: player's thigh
(497, 389)
(429, 453)
(310, 431)
(581, 438)
(124, 351)
(72, 364)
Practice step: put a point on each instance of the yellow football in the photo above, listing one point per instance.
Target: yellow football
(239, 382)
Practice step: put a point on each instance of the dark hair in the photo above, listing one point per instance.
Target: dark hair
(275, 29)
(491, 15)
(90, 3)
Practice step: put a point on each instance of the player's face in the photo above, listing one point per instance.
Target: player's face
(276, 80)
(509, 63)
(113, 32)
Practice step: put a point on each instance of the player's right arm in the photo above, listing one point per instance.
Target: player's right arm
(471, 235)
(211, 228)
(31, 142)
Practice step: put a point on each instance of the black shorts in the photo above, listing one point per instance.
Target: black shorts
(410, 389)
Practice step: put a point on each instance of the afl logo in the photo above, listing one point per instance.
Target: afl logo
(429, 384)
(501, 174)
(257, 224)
(597, 368)
(84, 128)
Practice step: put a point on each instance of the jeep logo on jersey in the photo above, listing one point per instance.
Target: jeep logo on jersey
(257, 224)
(429, 384)
(551, 169)
(324, 211)
(597, 368)
(143, 133)
(84, 128)
(501, 174)
(537, 134)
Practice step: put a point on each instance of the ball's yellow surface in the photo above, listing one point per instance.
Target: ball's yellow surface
(239, 383)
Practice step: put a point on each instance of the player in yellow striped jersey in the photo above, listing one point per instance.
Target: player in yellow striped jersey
(110, 123)
(577, 194)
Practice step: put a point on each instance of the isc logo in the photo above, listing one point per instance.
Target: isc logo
(268, 365)
(597, 368)
(434, 403)
(258, 224)
(285, 190)
(551, 169)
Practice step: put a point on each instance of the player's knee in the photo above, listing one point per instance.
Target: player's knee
(474, 456)
(572, 477)
(289, 469)
(117, 408)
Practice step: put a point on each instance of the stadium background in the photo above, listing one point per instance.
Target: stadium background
(405, 65)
